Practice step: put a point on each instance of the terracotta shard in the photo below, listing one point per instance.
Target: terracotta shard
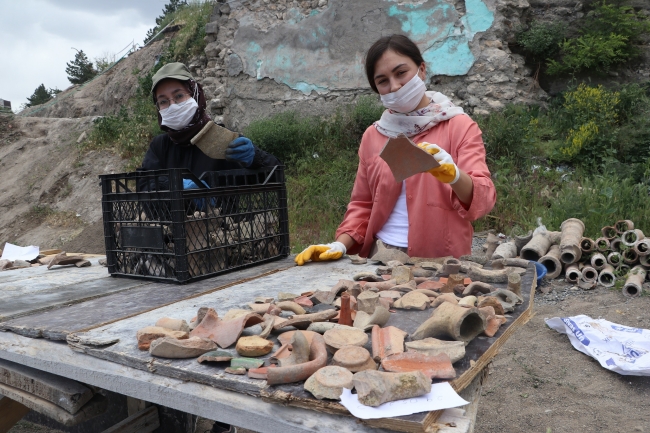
(405, 159)
(367, 276)
(253, 346)
(354, 359)
(452, 281)
(468, 301)
(431, 285)
(283, 352)
(300, 348)
(286, 337)
(291, 306)
(286, 296)
(224, 332)
(356, 260)
(189, 348)
(63, 259)
(300, 372)
(455, 350)
(488, 301)
(302, 321)
(80, 263)
(345, 316)
(406, 287)
(150, 333)
(173, 324)
(246, 363)
(476, 288)
(445, 297)
(263, 300)
(451, 321)
(386, 341)
(365, 321)
(429, 293)
(412, 301)
(269, 321)
(489, 276)
(236, 370)
(375, 388)
(235, 313)
(259, 373)
(435, 366)
(402, 274)
(259, 308)
(367, 301)
(508, 299)
(322, 327)
(384, 285)
(385, 255)
(304, 301)
(215, 356)
(503, 263)
(422, 273)
(328, 382)
(337, 338)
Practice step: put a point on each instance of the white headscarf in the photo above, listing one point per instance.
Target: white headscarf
(439, 109)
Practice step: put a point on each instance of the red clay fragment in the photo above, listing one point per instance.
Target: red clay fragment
(224, 332)
(304, 301)
(259, 373)
(431, 285)
(435, 367)
(300, 372)
(345, 317)
(386, 341)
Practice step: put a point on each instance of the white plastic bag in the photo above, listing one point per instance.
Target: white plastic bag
(618, 348)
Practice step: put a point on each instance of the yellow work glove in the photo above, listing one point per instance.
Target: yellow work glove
(322, 252)
(448, 172)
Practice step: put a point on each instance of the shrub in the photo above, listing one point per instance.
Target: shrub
(542, 40)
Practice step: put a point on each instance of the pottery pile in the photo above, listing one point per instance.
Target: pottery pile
(620, 257)
(341, 337)
(50, 258)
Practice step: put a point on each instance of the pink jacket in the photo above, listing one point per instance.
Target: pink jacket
(439, 224)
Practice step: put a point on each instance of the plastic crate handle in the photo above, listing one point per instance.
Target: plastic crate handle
(189, 175)
(270, 174)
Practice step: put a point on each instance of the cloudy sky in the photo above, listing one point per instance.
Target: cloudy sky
(38, 35)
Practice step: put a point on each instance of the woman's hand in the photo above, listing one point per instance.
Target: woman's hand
(321, 252)
(449, 173)
(241, 150)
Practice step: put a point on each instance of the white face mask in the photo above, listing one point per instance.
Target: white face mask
(407, 97)
(178, 116)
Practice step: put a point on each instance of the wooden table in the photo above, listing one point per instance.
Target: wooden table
(126, 305)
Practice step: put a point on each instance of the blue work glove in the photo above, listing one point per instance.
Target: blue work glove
(198, 202)
(241, 150)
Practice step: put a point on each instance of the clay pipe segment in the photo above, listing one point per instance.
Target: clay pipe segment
(537, 247)
(634, 283)
(602, 244)
(589, 274)
(453, 321)
(631, 237)
(615, 244)
(630, 257)
(614, 258)
(345, 316)
(302, 321)
(521, 241)
(300, 372)
(488, 276)
(491, 243)
(552, 262)
(609, 232)
(606, 277)
(451, 266)
(622, 226)
(587, 245)
(598, 261)
(642, 247)
(476, 287)
(572, 273)
(502, 263)
(645, 261)
(514, 283)
(506, 250)
(622, 271)
(572, 231)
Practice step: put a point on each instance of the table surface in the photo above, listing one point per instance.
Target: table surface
(203, 400)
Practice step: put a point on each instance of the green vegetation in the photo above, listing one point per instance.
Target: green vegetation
(130, 131)
(607, 36)
(80, 69)
(41, 95)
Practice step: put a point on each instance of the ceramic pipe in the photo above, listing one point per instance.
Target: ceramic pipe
(602, 244)
(630, 257)
(614, 258)
(642, 247)
(521, 241)
(598, 261)
(634, 283)
(492, 242)
(572, 231)
(622, 271)
(451, 321)
(345, 317)
(609, 232)
(514, 283)
(572, 273)
(615, 244)
(589, 274)
(552, 262)
(300, 372)
(537, 247)
(622, 226)
(606, 277)
(587, 245)
(507, 250)
(645, 261)
(631, 237)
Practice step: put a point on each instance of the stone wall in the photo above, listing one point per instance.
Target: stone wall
(265, 56)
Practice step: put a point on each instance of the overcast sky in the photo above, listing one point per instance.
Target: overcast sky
(37, 37)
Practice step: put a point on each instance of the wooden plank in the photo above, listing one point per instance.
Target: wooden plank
(58, 323)
(65, 393)
(144, 421)
(135, 405)
(24, 304)
(10, 413)
(39, 278)
(453, 421)
(96, 406)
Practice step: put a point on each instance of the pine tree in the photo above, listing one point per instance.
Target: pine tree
(41, 95)
(80, 69)
(170, 8)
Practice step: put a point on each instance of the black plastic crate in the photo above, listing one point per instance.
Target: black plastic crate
(154, 229)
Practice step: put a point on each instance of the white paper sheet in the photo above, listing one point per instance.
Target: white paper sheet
(442, 396)
(14, 252)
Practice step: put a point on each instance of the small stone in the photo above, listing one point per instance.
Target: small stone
(285, 296)
(253, 346)
(179, 349)
(412, 301)
(236, 370)
(173, 324)
(402, 274)
(328, 382)
(102, 262)
(246, 363)
(150, 333)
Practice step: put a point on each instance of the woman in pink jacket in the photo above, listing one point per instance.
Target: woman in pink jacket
(429, 214)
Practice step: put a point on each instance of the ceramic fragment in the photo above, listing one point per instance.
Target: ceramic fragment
(354, 359)
(337, 338)
(252, 346)
(451, 321)
(215, 356)
(375, 388)
(386, 341)
(173, 324)
(328, 382)
(432, 346)
(150, 333)
(412, 301)
(300, 372)
(365, 321)
(434, 366)
(192, 347)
